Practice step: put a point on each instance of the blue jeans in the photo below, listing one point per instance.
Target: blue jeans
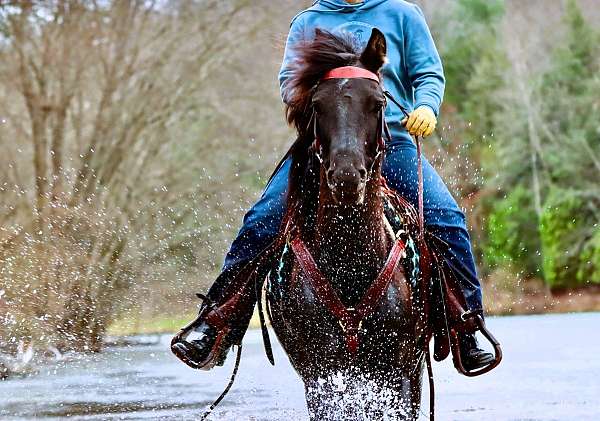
(443, 217)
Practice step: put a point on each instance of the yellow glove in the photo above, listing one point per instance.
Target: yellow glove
(421, 122)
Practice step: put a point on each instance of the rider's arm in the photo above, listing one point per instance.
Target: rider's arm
(296, 35)
(423, 62)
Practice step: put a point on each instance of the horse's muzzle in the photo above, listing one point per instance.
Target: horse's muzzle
(347, 186)
(347, 197)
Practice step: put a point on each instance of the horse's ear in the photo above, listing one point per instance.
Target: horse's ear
(373, 57)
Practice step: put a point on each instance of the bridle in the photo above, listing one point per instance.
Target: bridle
(351, 72)
(354, 72)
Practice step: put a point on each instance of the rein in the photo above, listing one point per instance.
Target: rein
(424, 253)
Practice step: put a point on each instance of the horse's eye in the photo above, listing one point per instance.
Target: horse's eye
(316, 106)
(376, 108)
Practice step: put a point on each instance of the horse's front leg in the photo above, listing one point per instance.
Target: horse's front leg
(331, 395)
(318, 399)
(408, 386)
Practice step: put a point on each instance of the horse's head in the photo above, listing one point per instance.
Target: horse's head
(348, 106)
(340, 113)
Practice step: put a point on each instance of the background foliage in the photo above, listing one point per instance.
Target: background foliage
(135, 134)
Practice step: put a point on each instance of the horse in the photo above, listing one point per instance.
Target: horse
(341, 301)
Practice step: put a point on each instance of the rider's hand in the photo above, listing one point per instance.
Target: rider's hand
(421, 122)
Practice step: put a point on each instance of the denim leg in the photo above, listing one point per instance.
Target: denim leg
(443, 216)
(259, 229)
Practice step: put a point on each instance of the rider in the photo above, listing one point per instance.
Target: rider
(414, 76)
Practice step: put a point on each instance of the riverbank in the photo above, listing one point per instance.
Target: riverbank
(508, 296)
(499, 301)
(135, 325)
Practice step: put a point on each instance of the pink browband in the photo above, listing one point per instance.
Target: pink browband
(350, 72)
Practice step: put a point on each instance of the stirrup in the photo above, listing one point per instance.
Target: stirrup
(184, 332)
(455, 346)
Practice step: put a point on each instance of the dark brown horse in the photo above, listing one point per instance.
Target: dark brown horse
(339, 244)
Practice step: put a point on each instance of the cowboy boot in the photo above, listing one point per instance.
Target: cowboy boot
(217, 327)
(471, 355)
(210, 342)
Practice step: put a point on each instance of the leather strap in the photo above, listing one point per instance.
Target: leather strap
(350, 72)
(228, 387)
(420, 190)
(424, 260)
(263, 324)
(349, 318)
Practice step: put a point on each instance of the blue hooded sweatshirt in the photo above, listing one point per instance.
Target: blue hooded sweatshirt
(413, 73)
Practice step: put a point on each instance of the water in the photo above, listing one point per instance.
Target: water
(551, 371)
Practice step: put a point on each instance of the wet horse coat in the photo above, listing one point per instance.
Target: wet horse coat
(337, 245)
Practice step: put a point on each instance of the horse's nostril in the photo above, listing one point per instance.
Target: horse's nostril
(363, 173)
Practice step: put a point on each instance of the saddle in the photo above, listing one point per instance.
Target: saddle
(435, 288)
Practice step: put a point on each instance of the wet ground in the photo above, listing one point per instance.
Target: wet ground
(551, 371)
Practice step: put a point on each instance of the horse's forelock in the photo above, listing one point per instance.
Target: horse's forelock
(313, 59)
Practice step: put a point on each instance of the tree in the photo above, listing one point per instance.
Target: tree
(470, 42)
(570, 220)
(548, 145)
(96, 102)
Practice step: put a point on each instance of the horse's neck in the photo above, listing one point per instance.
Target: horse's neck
(351, 242)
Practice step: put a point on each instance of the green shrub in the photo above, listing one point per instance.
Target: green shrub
(570, 241)
(513, 237)
(589, 260)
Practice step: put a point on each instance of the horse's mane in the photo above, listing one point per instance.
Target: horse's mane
(313, 59)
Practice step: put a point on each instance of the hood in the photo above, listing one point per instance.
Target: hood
(343, 6)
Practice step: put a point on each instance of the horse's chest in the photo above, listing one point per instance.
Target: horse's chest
(307, 312)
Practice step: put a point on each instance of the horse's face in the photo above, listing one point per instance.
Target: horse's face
(349, 113)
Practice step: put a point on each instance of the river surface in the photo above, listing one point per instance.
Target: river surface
(551, 371)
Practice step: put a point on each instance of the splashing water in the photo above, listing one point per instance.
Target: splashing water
(357, 396)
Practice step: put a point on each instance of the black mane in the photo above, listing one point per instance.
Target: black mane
(314, 58)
